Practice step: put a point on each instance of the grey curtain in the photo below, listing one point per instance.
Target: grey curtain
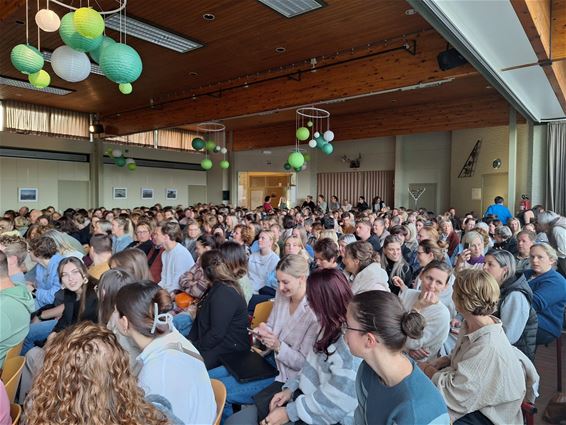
(350, 185)
(556, 169)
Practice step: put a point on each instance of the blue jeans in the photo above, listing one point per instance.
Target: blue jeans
(183, 322)
(239, 393)
(37, 332)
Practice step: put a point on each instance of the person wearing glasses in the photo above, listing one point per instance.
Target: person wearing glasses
(390, 387)
(143, 237)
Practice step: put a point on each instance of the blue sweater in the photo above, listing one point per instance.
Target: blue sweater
(414, 400)
(501, 211)
(549, 300)
(47, 281)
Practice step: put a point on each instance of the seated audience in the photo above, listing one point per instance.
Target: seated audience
(525, 240)
(362, 267)
(262, 263)
(100, 252)
(176, 258)
(44, 253)
(394, 264)
(450, 236)
(192, 231)
(326, 253)
(132, 261)
(236, 260)
(473, 254)
(16, 250)
(363, 232)
(504, 239)
(143, 237)
(121, 234)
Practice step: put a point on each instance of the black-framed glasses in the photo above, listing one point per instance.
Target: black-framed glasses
(346, 328)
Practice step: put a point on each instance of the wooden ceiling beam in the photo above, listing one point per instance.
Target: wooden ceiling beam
(486, 111)
(544, 23)
(8, 7)
(367, 74)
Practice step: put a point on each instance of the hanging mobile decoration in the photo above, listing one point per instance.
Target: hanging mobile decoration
(120, 160)
(212, 141)
(312, 124)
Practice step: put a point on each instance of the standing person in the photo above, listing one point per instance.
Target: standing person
(121, 238)
(267, 207)
(390, 386)
(499, 210)
(176, 258)
(554, 226)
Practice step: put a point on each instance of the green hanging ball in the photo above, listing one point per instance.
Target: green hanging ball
(297, 169)
(88, 22)
(40, 79)
(198, 143)
(120, 63)
(132, 166)
(327, 148)
(210, 145)
(224, 164)
(307, 157)
(95, 54)
(296, 160)
(73, 39)
(120, 161)
(302, 133)
(206, 164)
(26, 59)
(108, 152)
(309, 124)
(125, 88)
(287, 166)
(320, 142)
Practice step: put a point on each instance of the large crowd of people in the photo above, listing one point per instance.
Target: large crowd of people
(379, 315)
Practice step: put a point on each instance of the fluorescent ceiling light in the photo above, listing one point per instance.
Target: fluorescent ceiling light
(292, 8)
(94, 68)
(135, 28)
(25, 85)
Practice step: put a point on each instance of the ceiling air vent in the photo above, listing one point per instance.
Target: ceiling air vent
(292, 8)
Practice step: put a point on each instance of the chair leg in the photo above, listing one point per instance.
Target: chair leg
(559, 363)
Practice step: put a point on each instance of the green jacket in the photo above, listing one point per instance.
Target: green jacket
(16, 305)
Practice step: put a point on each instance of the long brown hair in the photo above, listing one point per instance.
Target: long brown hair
(88, 290)
(86, 380)
(133, 261)
(217, 272)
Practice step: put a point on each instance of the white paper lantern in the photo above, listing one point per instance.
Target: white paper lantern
(316, 134)
(328, 135)
(312, 143)
(116, 153)
(69, 64)
(224, 151)
(47, 20)
(130, 161)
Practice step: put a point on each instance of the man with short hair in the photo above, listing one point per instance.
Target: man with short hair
(379, 230)
(22, 212)
(554, 225)
(34, 215)
(100, 252)
(499, 210)
(176, 258)
(363, 232)
(44, 253)
(16, 250)
(16, 305)
(525, 239)
(326, 253)
(193, 233)
(308, 203)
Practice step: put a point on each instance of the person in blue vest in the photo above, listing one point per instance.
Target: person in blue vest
(499, 210)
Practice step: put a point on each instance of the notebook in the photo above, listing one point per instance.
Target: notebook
(248, 366)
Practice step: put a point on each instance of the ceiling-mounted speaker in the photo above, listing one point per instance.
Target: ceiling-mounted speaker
(96, 128)
(450, 59)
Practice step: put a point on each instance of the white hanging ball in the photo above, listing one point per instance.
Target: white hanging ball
(47, 20)
(316, 134)
(329, 135)
(312, 143)
(116, 153)
(304, 167)
(70, 65)
(130, 161)
(224, 151)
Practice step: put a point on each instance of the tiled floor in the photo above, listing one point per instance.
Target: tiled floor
(545, 361)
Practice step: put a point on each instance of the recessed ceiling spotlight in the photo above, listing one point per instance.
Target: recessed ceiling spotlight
(410, 12)
(280, 49)
(488, 87)
(208, 17)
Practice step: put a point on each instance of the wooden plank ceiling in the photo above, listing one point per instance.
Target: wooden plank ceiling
(360, 47)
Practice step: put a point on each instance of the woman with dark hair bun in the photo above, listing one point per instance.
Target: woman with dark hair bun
(390, 386)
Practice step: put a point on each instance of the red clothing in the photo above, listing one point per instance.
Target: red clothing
(453, 241)
(267, 207)
(154, 262)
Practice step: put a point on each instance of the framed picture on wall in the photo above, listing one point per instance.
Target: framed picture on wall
(170, 193)
(27, 194)
(119, 193)
(146, 193)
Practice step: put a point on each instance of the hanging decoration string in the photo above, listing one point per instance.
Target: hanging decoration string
(27, 23)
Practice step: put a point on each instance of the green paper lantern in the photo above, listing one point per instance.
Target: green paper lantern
(287, 166)
(320, 142)
(307, 157)
(210, 145)
(296, 160)
(198, 143)
(40, 79)
(297, 169)
(125, 88)
(120, 161)
(108, 152)
(224, 164)
(309, 124)
(206, 164)
(26, 59)
(73, 39)
(302, 133)
(120, 63)
(88, 22)
(327, 148)
(132, 166)
(95, 54)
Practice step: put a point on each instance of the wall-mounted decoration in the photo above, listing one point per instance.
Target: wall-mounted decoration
(146, 193)
(27, 194)
(170, 194)
(470, 166)
(119, 193)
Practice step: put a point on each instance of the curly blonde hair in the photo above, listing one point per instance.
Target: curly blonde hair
(86, 380)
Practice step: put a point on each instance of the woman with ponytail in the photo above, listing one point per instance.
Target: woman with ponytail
(390, 386)
(122, 230)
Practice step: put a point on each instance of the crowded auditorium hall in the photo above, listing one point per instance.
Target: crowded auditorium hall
(269, 212)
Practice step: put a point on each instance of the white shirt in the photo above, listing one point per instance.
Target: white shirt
(175, 263)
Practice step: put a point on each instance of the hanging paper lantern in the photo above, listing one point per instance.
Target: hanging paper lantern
(329, 135)
(120, 63)
(132, 166)
(125, 88)
(217, 149)
(287, 166)
(296, 159)
(88, 22)
(47, 20)
(72, 38)
(302, 133)
(69, 64)
(224, 164)
(108, 152)
(327, 148)
(198, 143)
(224, 151)
(206, 164)
(116, 153)
(312, 143)
(320, 142)
(26, 59)
(307, 157)
(95, 54)
(130, 161)
(298, 169)
(316, 134)
(40, 79)
(120, 161)
(210, 145)
(309, 124)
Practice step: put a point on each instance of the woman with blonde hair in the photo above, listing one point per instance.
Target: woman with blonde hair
(362, 268)
(393, 262)
(473, 254)
(86, 380)
(67, 246)
(133, 261)
(122, 230)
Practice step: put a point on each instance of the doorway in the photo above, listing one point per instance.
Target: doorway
(493, 185)
(253, 187)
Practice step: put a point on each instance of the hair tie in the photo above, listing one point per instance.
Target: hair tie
(161, 319)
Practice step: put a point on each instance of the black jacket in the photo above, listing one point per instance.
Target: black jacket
(221, 324)
(71, 314)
